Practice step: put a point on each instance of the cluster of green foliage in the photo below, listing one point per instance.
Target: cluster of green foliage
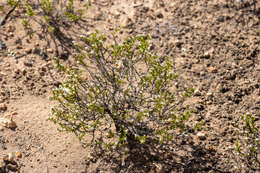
(249, 148)
(125, 96)
(51, 16)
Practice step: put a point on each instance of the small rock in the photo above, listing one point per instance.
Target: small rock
(3, 107)
(9, 157)
(116, 13)
(257, 68)
(8, 122)
(18, 154)
(209, 94)
(11, 34)
(19, 47)
(201, 135)
(50, 50)
(28, 50)
(212, 69)
(159, 169)
(207, 54)
(197, 92)
(172, 4)
(219, 88)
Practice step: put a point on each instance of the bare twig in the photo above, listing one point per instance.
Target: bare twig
(8, 14)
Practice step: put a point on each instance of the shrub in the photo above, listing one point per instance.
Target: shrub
(121, 94)
(249, 148)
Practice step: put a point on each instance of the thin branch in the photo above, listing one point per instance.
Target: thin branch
(8, 14)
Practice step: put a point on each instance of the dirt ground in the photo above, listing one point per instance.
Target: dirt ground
(215, 48)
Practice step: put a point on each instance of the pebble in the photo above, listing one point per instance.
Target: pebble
(3, 107)
(257, 68)
(212, 69)
(18, 154)
(207, 54)
(8, 122)
(11, 34)
(50, 50)
(197, 92)
(19, 47)
(159, 168)
(209, 94)
(219, 88)
(28, 50)
(9, 158)
(201, 135)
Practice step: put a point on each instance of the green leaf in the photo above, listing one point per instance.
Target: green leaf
(29, 10)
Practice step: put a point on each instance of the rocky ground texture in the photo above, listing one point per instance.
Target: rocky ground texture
(215, 47)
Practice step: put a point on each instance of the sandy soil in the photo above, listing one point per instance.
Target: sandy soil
(215, 48)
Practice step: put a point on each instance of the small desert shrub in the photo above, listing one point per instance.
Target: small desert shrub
(121, 94)
(249, 148)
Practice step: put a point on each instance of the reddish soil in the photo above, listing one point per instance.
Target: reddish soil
(215, 48)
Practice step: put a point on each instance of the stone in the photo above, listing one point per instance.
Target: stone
(209, 94)
(9, 157)
(197, 92)
(19, 47)
(50, 50)
(172, 4)
(18, 154)
(3, 107)
(7, 121)
(207, 54)
(159, 169)
(219, 88)
(28, 50)
(201, 135)
(257, 68)
(212, 69)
